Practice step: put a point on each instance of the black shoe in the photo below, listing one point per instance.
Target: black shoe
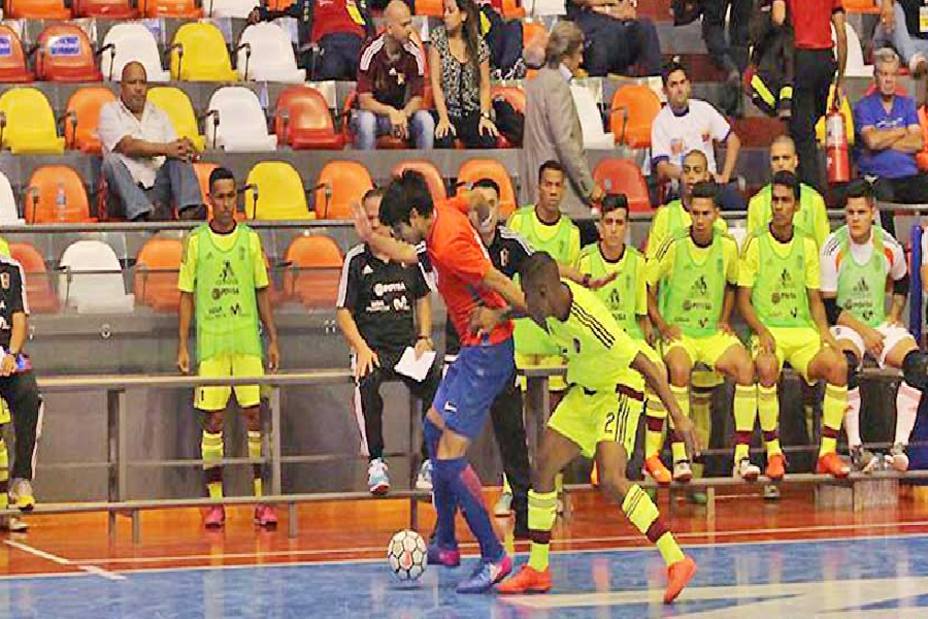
(520, 529)
(194, 213)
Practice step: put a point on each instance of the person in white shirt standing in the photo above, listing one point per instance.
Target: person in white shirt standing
(856, 261)
(687, 124)
(146, 166)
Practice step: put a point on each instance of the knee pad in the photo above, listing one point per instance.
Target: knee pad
(853, 373)
(915, 369)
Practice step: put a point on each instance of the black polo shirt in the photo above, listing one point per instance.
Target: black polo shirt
(12, 297)
(381, 297)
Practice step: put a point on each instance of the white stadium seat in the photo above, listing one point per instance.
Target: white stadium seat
(8, 212)
(91, 279)
(131, 42)
(241, 125)
(271, 56)
(591, 121)
(229, 8)
(855, 54)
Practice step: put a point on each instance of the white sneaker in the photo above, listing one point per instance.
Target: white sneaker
(424, 479)
(503, 505)
(898, 459)
(746, 471)
(771, 492)
(13, 524)
(682, 472)
(377, 481)
(21, 495)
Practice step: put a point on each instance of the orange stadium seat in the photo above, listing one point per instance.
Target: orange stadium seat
(82, 117)
(429, 171)
(279, 5)
(862, 6)
(634, 108)
(532, 30)
(42, 190)
(340, 184)
(27, 123)
(513, 95)
(185, 9)
(302, 120)
(513, 9)
(36, 9)
(203, 169)
(12, 58)
(921, 158)
(429, 8)
(156, 268)
(111, 9)
(473, 170)
(65, 54)
(39, 291)
(623, 176)
(315, 264)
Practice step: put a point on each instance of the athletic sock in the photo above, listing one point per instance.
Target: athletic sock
(465, 489)
(702, 421)
(677, 447)
(542, 510)
(745, 409)
(907, 400)
(507, 489)
(641, 511)
(768, 409)
(254, 452)
(832, 414)
(655, 414)
(4, 475)
(211, 447)
(852, 417)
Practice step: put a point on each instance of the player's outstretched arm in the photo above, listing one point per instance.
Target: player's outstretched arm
(393, 249)
(584, 279)
(657, 381)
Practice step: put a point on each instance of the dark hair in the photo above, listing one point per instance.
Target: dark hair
(487, 183)
(538, 266)
(707, 189)
(375, 192)
(470, 32)
(669, 67)
(785, 178)
(614, 202)
(407, 192)
(550, 164)
(859, 188)
(220, 174)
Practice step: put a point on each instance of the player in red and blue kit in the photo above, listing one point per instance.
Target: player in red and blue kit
(466, 280)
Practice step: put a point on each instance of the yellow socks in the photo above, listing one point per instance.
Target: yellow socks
(254, 452)
(832, 414)
(4, 475)
(641, 511)
(682, 396)
(507, 489)
(211, 447)
(655, 414)
(542, 510)
(768, 409)
(745, 409)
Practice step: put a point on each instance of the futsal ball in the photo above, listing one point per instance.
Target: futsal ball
(407, 555)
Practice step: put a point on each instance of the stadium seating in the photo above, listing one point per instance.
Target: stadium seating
(340, 184)
(533, 32)
(861, 6)
(591, 120)
(429, 8)
(276, 192)
(513, 95)
(235, 122)
(199, 54)
(111, 9)
(83, 116)
(623, 176)
(302, 120)
(203, 169)
(315, 264)
(265, 54)
(39, 292)
(156, 268)
(27, 123)
(229, 8)
(175, 103)
(12, 58)
(429, 171)
(131, 42)
(8, 212)
(855, 54)
(35, 9)
(185, 9)
(91, 279)
(39, 196)
(921, 158)
(65, 54)
(634, 108)
(473, 170)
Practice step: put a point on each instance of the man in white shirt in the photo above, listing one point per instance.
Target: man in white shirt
(686, 124)
(146, 166)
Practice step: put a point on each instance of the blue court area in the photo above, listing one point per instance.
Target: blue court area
(866, 578)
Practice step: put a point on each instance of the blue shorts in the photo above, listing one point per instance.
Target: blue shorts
(471, 384)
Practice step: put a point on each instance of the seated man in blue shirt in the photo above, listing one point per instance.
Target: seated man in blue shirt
(888, 138)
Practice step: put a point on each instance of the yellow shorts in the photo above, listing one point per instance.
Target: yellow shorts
(797, 345)
(5, 416)
(591, 417)
(215, 398)
(526, 362)
(706, 349)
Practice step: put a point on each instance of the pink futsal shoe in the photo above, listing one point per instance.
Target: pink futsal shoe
(265, 516)
(215, 517)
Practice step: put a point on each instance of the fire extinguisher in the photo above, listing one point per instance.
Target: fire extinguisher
(836, 155)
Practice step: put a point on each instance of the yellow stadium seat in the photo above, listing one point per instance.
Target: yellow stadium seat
(174, 103)
(199, 54)
(280, 192)
(27, 123)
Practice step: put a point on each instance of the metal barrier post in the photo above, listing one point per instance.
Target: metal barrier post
(112, 457)
(293, 520)
(275, 440)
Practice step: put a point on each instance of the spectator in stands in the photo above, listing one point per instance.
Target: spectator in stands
(331, 33)
(383, 308)
(617, 40)
(814, 70)
(889, 136)
(391, 85)
(223, 278)
(728, 54)
(459, 67)
(685, 124)
(900, 26)
(552, 126)
(145, 164)
(504, 38)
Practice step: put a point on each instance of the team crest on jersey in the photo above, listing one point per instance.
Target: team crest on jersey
(5, 280)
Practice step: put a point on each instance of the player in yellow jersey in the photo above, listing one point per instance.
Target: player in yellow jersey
(779, 298)
(598, 417)
(697, 272)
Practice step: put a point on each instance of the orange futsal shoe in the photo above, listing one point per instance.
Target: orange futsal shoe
(528, 580)
(776, 467)
(594, 476)
(655, 469)
(678, 576)
(832, 464)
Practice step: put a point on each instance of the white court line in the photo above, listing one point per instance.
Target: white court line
(90, 569)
